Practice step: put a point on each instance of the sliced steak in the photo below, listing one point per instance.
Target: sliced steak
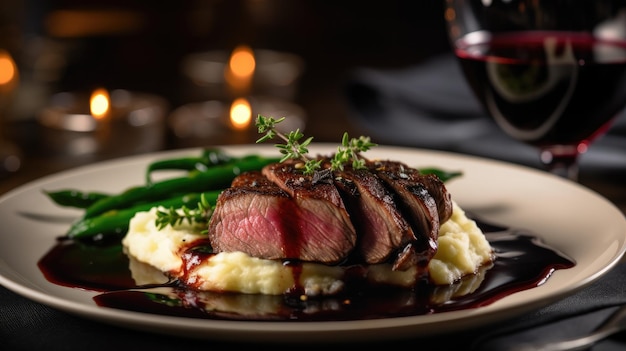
(373, 208)
(425, 202)
(431, 182)
(257, 217)
(386, 213)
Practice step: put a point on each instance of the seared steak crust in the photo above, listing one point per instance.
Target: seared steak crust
(435, 187)
(290, 178)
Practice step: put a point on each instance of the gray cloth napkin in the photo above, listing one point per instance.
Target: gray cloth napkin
(429, 105)
(573, 316)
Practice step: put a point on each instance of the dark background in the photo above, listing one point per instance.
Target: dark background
(331, 36)
(142, 44)
(72, 45)
(139, 45)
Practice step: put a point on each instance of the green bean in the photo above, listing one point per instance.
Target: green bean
(75, 198)
(218, 177)
(208, 158)
(81, 199)
(442, 174)
(116, 222)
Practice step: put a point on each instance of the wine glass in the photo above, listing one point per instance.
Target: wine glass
(551, 73)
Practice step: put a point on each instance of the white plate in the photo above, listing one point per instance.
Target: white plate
(570, 218)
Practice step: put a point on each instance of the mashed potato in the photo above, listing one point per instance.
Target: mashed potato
(463, 249)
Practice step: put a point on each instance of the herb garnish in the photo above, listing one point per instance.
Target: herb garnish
(294, 148)
(348, 153)
(174, 217)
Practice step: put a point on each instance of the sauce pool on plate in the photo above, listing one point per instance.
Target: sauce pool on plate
(522, 261)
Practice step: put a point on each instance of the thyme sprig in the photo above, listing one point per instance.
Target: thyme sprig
(348, 153)
(177, 216)
(295, 147)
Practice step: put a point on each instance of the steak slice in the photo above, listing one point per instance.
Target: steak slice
(424, 201)
(431, 182)
(259, 218)
(379, 223)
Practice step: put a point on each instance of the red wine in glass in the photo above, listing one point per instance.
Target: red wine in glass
(551, 89)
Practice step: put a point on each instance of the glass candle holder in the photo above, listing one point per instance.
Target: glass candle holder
(210, 122)
(134, 123)
(273, 73)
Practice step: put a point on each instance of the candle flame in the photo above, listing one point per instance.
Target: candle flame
(242, 62)
(99, 103)
(240, 71)
(240, 114)
(8, 69)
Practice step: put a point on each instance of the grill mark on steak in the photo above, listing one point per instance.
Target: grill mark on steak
(373, 208)
(257, 217)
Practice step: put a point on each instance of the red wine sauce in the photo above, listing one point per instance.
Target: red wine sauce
(522, 262)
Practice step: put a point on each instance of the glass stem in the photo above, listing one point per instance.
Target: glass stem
(561, 160)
